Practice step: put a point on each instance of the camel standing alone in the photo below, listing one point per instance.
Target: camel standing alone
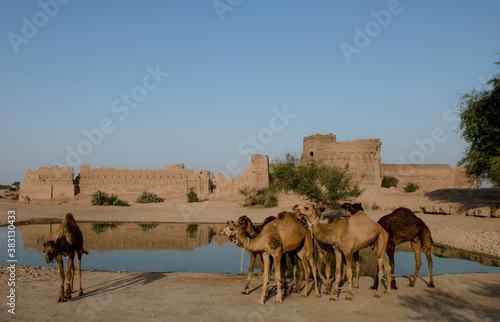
(67, 241)
(347, 236)
(402, 226)
(283, 235)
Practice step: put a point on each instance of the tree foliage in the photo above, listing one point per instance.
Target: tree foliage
(480, 126)
(321, 183)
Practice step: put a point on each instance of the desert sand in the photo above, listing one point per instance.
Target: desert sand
(217, 297)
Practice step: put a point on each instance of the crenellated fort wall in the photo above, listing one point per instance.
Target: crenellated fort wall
(362, 157)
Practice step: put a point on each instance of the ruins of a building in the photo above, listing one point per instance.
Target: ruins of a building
(59, 183)
(362, 157)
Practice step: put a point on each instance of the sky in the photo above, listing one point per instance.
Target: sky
(144, 84)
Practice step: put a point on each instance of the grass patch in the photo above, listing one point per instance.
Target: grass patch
(192, 196)
(389, 181)
(265, 197)
(100, 198)
(411, 187)
(148, 197)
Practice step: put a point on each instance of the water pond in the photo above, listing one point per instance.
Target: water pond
(174, 247)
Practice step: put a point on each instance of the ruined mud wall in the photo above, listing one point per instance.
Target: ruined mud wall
(429, 176)
(173, 179)
(362, 156)
(48, 183)
(254, 177)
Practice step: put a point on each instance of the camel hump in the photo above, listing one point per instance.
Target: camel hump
(69, 217)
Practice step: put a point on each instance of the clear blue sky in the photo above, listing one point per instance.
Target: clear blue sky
(201, 82)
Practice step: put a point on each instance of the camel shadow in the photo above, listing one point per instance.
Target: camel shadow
(451, 303)
(120, 283)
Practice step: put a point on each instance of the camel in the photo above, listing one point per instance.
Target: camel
(230, 231)
(283, 235)
(27, 199)
(346, 237)
(402, 226)
(67, 241)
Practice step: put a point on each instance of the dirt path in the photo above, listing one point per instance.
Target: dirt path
(114, 296)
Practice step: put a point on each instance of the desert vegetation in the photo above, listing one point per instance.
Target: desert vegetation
(148, 197)
(192, 196)
(101, 198)
(265, 197)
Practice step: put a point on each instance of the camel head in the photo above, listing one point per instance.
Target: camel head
(352, 207)
(229, 230)
(50, 250)
(309, 212)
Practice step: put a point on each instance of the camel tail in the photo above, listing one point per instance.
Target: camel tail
(85, 252)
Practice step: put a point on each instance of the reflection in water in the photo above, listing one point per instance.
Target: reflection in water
(99, 228)
(162, 247)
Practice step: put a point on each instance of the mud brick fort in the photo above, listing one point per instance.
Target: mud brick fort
(362, 156)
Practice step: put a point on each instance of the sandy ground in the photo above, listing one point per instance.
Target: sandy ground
(217, 297)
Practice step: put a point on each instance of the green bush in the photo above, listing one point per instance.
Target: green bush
(192, 196)
(265, 197)
(321, 183)
(389, 181)
(12, 189)
(411, 187)
(100, 198)
(15, 197)
(148, 197)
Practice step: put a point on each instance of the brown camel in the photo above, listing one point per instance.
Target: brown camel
(230, 231)
(402, 226)
(67, 241)
(283, 235)
(346, 237)
(27, 199)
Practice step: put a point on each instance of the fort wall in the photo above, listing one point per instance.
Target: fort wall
(362, 156)
(48, 183)
(429, 176)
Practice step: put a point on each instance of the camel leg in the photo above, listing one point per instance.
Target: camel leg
(429, 263)
(284, 275)
(250, 271)
(301, 276)
(267, 264)
(70, 274)
(328, 272)
(416, 246)
(319, 266)
(60, 264)
(277, 276)
(358, 266)
(79, 264)
(309, 251)
(338, 263)
(348, 263)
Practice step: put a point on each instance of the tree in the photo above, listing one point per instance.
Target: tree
(16, 184)
(480, 125)
(321, 183)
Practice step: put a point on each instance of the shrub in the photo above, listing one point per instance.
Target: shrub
(389, 181)
(411, 187)
(12, 189)
(321, 183)
(100, 198)
(15, 197)
(192, 196)
(265, 197)
(148, 197)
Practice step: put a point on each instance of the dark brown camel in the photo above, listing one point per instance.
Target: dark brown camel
(402, 226)
(67, 241)
(283, 235)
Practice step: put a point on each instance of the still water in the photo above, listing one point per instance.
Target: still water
(174, 247)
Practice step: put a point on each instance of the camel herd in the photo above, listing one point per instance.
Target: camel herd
(298, 233)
